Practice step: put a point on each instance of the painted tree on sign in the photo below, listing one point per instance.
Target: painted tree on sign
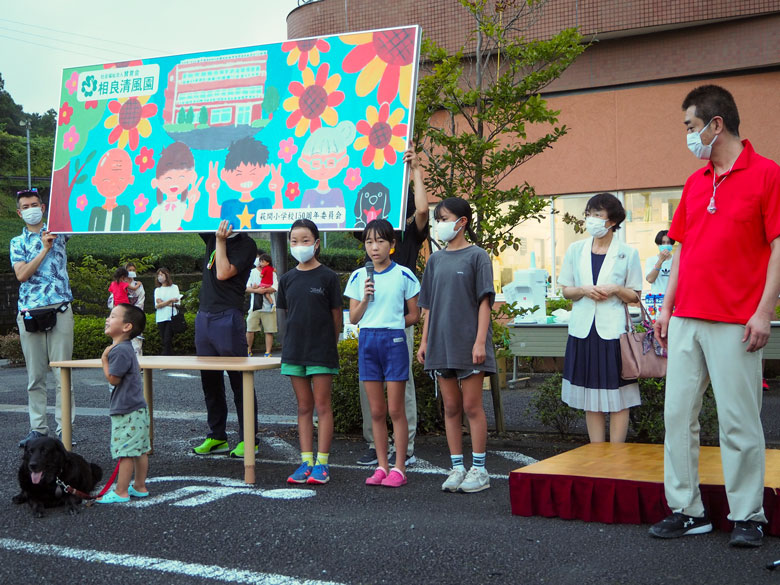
(475, 107)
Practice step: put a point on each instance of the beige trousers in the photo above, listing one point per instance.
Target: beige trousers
(699, 352)
(410, 401)
(39, 349)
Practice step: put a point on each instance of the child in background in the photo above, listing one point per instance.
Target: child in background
(457, 339)
(311, 295)
(119, 288)
(377, 304)
(129, 415)
(267, 278)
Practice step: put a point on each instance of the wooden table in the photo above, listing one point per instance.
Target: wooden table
(246, 365)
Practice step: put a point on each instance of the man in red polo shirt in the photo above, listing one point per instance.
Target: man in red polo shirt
(717, 324)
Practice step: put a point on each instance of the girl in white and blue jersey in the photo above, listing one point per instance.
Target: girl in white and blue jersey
(377, 303)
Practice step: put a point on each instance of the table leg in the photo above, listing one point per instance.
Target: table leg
(65, 389)
(149, 397)
(249, 427)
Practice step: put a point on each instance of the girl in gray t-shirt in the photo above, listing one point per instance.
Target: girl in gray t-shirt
(457, 340)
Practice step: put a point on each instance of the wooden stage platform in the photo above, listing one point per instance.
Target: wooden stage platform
(624, 483)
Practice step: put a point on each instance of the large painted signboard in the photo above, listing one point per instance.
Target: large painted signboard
(260, 136)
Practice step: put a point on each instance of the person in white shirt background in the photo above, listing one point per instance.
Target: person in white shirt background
(659, 267)
(165, 296)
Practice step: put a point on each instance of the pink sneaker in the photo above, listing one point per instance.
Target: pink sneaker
(378, 477)
(395, 479)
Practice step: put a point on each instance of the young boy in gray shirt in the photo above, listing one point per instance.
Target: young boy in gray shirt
(129, 415)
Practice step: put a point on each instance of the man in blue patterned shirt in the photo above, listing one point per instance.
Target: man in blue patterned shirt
(40, 265)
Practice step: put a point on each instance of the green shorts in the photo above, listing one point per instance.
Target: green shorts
(130, 434)
(306, 371)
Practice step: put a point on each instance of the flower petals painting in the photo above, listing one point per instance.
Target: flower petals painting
(259, 136)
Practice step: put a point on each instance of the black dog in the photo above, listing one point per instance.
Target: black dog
(46, 460)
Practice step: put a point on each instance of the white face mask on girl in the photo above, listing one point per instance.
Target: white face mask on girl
(302, 253)
(161, 278)
(596, 226)
(445, 230)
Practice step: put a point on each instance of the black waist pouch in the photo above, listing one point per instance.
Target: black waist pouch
(42, 320)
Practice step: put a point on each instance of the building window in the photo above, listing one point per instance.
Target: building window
(244, 115)
(221, 116)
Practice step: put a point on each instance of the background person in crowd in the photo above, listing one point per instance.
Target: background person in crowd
(407, 247)
(137, 296)
(715, 325)
(166, 295)
(659, 267)
(119, 288)
(262, 304)
(600, 274)
(220, 330)
(40, 264)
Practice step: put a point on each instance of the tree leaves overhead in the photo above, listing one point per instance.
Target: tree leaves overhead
(475, 109)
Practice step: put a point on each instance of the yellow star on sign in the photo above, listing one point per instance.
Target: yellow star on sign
(245, 218)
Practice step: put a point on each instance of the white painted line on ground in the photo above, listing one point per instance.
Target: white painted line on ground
(263, 419)
(516, 457)
(278, 444)
(181, 375)
(126, 561)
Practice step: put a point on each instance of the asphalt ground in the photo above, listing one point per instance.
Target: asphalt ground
(203, 525)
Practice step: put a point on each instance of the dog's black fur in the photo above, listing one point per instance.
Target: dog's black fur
(46, 459)
(371, 195)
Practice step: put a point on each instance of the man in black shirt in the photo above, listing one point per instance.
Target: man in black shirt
(407, 248)
(220, 329)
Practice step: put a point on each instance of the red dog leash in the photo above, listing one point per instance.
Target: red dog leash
(85, 496)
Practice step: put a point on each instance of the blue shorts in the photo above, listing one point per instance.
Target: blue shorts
(383, 355)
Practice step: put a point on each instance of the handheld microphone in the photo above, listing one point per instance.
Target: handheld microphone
(370, 276)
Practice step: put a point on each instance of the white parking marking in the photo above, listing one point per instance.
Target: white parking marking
(195, 570)
(516, 457)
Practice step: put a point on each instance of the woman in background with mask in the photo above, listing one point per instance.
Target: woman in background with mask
(457, 338)
(600, 274)
(658, 268)
(310, 294)
(166, 295)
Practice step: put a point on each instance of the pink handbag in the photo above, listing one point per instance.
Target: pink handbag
(641, 354)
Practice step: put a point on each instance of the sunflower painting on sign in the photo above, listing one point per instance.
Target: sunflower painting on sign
(259, 136)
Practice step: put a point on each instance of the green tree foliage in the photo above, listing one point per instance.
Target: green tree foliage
(475, 108)
(271, 101)
(203, 116)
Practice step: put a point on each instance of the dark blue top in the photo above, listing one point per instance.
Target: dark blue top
(596, 261)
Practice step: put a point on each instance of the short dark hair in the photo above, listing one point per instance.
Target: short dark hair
(28, 193)
(609, 203)
(248, 151)
(120, 272)
(381, 228)
(659, 237)
(309, 225)
(135, 316)
(265, 258)
(711, 101)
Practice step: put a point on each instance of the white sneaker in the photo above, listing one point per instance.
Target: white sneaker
(477, 479)
(454, 478)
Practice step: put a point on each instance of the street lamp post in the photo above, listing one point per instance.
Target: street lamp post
(26, 125)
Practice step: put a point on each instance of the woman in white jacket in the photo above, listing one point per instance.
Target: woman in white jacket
(600, 274)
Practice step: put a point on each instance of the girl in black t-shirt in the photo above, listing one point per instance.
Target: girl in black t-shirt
(310, 293)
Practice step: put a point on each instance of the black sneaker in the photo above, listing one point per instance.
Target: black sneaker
(368, 458)
(72, 439)
(410, 460)
(747, 534)
(677, 525)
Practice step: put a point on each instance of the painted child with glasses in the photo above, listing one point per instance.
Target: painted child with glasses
(377, 304)
(457, 338)
(310, 294)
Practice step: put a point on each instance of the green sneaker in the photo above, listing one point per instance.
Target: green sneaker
(212, 446)
(238, 452)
